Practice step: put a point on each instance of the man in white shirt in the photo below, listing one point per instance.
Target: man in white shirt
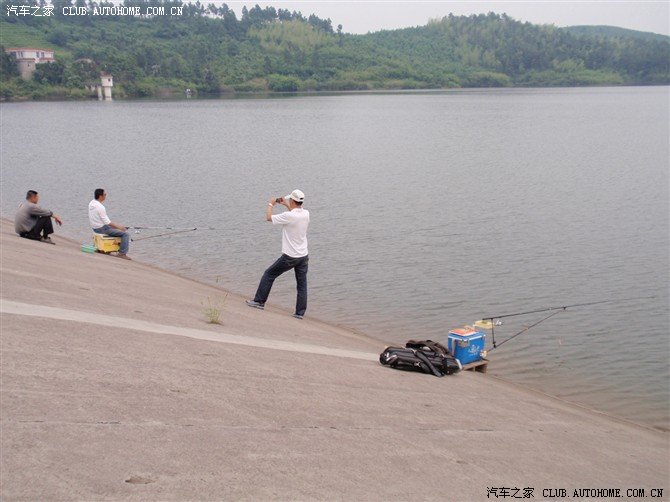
(101, 224)
(294, 223)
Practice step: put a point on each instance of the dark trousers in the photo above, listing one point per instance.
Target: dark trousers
(284, 264)
(42, 228)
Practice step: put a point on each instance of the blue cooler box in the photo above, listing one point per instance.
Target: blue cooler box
(466, 345)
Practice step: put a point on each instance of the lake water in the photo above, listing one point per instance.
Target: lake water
(429, 210)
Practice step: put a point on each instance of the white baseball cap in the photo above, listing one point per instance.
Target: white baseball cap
(296, 195)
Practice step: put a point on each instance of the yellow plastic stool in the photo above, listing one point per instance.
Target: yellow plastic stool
(106, 243)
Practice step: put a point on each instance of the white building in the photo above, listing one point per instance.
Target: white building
(28, 57)
(107, 83)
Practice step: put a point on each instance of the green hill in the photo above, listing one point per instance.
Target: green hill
(211, 50)
(615, 31)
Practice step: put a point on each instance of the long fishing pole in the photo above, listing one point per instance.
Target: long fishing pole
(164, 234)
(567, 307)
(554, 310)
(172, 228)
(495, 346)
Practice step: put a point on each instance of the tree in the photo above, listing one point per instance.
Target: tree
(282, 83)
(8, 66)
(284, 15)
(50, 73)
(59, 37)
(59, 5)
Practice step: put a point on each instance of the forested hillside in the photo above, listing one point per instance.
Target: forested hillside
(210, 49)
(613, 31)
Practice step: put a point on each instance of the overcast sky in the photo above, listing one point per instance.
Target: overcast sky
(362, 16)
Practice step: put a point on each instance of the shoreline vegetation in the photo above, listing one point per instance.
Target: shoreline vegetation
(212, 52)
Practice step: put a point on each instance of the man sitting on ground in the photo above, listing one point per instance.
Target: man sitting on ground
(101, 224)
(33, 222)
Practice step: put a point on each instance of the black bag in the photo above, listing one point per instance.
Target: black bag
(423, 355)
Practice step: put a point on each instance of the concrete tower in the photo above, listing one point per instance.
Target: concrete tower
(107, 84)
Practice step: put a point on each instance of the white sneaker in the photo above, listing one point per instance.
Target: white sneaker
(255, 305)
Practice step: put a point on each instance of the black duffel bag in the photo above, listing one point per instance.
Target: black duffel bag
(422, 355)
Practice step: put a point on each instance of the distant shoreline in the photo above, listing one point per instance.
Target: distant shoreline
(179, 96)
(210, 51)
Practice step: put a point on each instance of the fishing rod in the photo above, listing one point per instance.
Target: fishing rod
(568, 306)
(554, 310)
(172, 228)
(495, 346)
(164, 234)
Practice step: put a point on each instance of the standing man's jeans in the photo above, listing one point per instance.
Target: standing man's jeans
(115, 232)
(42, 228)
(284, 264)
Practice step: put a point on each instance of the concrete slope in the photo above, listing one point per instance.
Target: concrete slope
(115, 387)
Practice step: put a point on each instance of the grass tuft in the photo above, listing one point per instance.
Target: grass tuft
(213, 309)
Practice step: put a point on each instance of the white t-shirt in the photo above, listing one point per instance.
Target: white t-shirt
(97, 215)
(294, 231)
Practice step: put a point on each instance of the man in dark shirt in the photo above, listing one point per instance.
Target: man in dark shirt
(32, 221)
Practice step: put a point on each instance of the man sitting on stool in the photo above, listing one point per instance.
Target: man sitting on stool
(33, 222)
(101, 224)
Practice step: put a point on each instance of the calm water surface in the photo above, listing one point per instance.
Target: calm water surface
(429, 211)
